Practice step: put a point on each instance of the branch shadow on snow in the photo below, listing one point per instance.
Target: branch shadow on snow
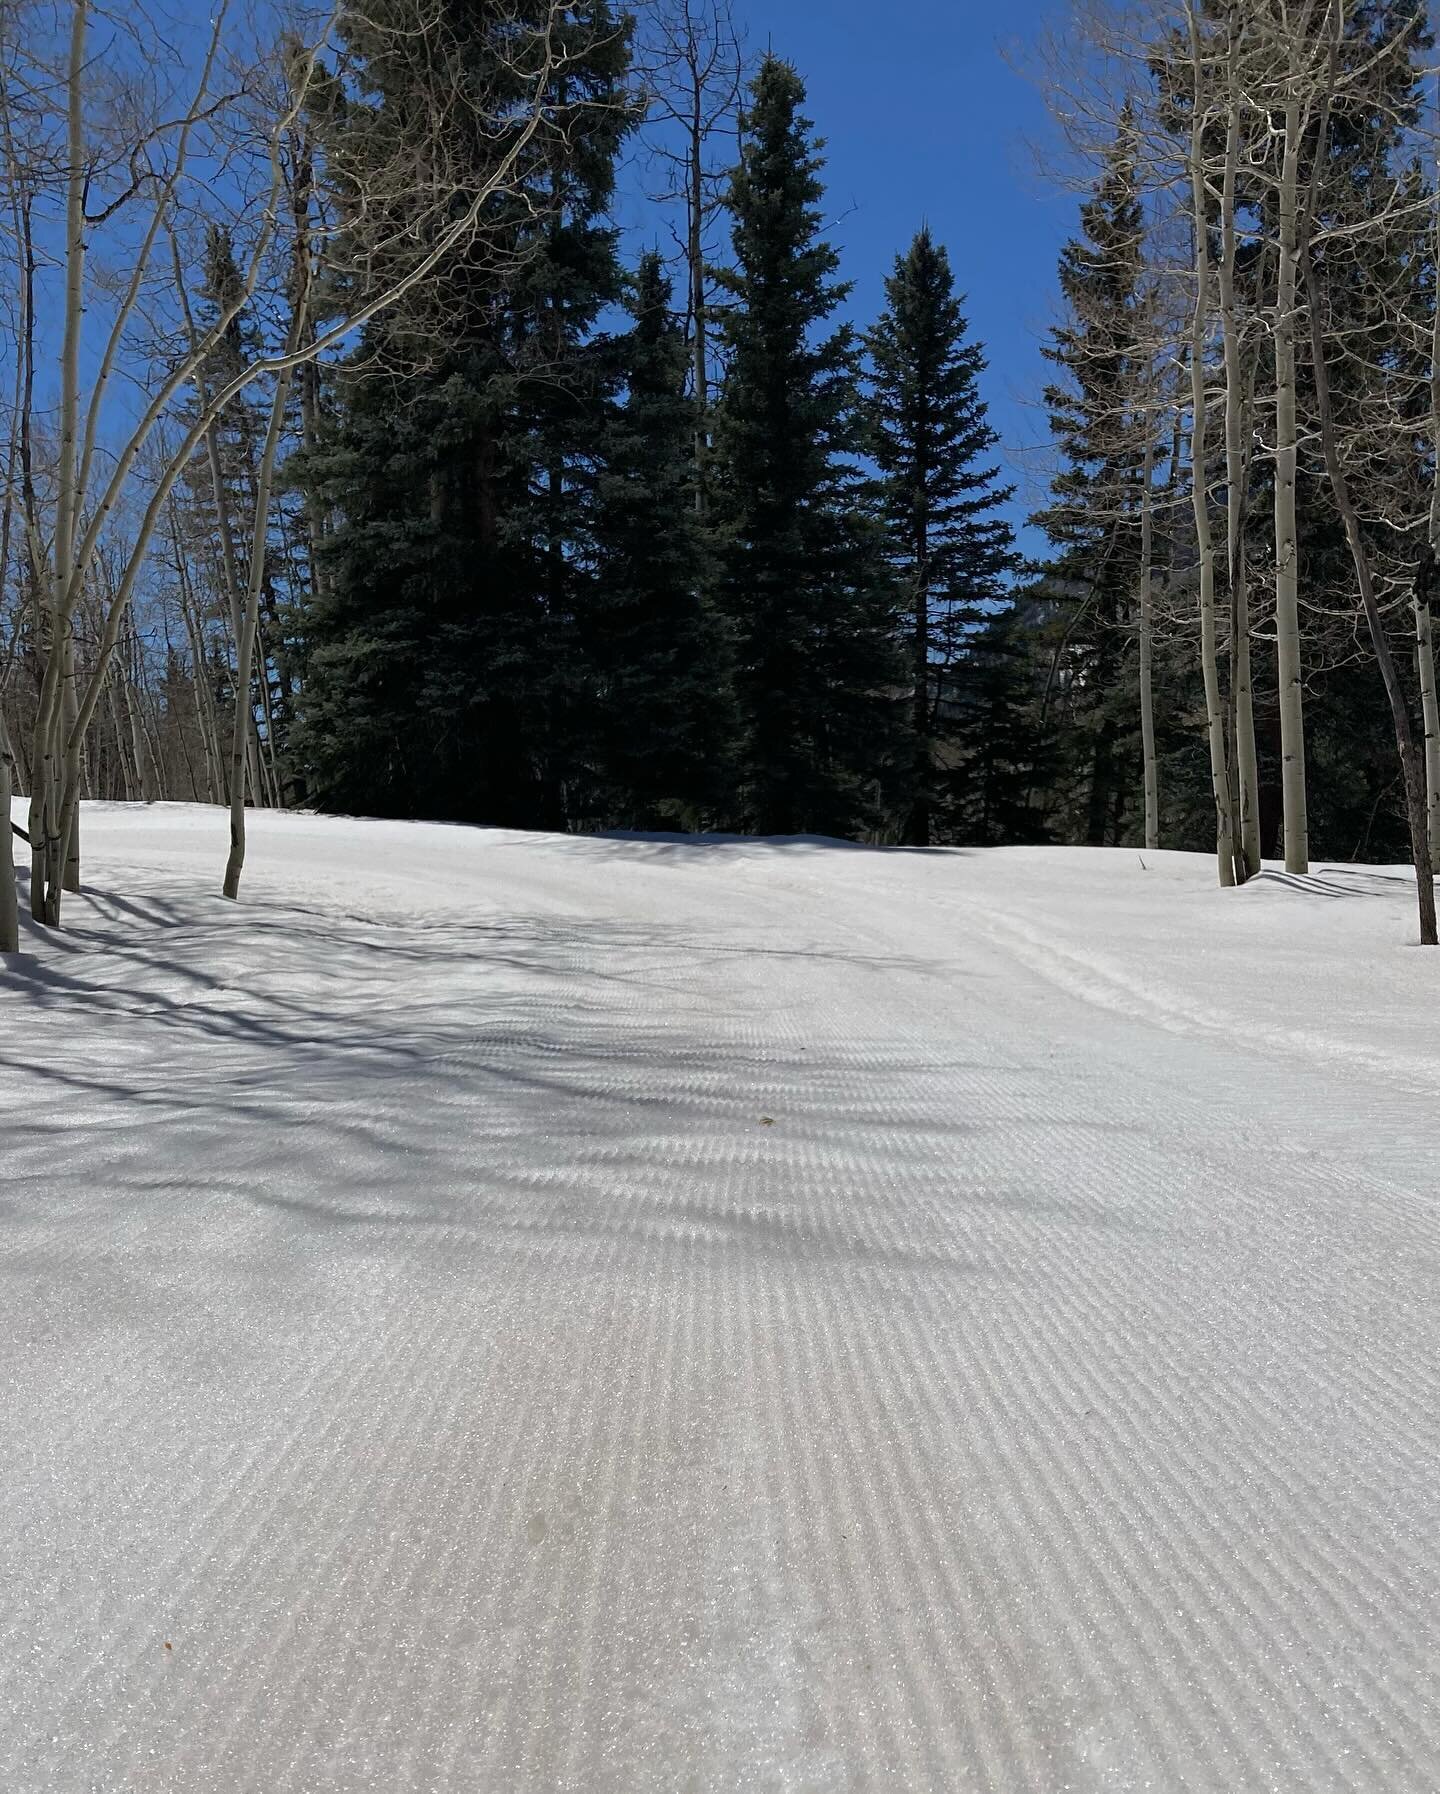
(485, 1085)
(654, 844)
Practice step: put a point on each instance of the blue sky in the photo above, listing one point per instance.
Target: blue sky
(926, 121)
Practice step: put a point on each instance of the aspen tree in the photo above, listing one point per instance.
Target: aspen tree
(1427, 582)
(693, 67)
(1147, 645)
(1411, 760)
(420, 215)
(1245, 791)
(9, 904)
(1226, 845)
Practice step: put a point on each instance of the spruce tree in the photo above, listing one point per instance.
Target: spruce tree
(808, 597)
(1097, 421)
(1002, 754)
(659, 726)
(939, 493)
(444, 674)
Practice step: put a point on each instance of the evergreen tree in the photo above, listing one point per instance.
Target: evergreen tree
(932, 443)
(1002, 757)
(1097, 421)
(444, 668)
(660, 725)
(803, 580)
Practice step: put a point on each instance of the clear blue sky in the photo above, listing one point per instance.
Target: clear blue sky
(926, 121)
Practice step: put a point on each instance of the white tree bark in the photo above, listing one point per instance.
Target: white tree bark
(1147, 639)
(1237, 477)
(245, 648)
(1430, 716)
(1424, 618)
(9, 897)
(1411, 763)
(1287, 548)
(439, 218)
(693, 66)
(1225, 843)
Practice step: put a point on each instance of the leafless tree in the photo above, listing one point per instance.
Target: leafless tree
(692, 66)
(137, 146)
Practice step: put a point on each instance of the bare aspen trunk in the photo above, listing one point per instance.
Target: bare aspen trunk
(695, 258)
(694, 61)
(1214, 704)
(44, 890)
(20, 770)
(244, 711)
(123, 779)
(204, 697)
(1225, 844)
(269, 765)
(1243, 702)
(1411, 766)
(1430, 712)
(216, 791)
(139, 744)
(1147, 646)
(150, 736)
(225, 524)
(67, 497)
(1426, 581)
(1237, 471)
(1287, 550)
(9, 897)
(73, 763)
(307, 376)
(230, 569)
(49, 838)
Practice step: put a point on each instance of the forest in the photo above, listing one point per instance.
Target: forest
(352, 462)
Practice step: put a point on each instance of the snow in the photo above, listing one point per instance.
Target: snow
(510, 1313)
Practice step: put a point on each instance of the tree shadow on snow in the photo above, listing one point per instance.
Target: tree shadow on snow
(509, 1099)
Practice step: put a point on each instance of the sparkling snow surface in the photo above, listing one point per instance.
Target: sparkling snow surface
(510, 1314)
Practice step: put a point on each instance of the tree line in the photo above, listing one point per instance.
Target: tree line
(1247, 409)
(350, 463)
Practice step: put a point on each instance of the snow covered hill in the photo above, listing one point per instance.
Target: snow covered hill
(512, 1313)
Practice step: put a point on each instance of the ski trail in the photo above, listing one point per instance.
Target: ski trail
(706, 1317)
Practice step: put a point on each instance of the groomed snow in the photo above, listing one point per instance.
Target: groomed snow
(504, 1314)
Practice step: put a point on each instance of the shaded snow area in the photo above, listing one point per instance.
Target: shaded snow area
(508, 1314)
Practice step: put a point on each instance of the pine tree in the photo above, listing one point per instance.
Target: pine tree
(1001, 755)
(445, 675)
(659, 725)
(1093, 519)
(939, 494)
(803, 580)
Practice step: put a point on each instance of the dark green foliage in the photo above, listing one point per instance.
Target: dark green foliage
(445, 670)
(1001, 757)
(810, 602)
(660, 725)
(1098, 425)
(950, 550)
